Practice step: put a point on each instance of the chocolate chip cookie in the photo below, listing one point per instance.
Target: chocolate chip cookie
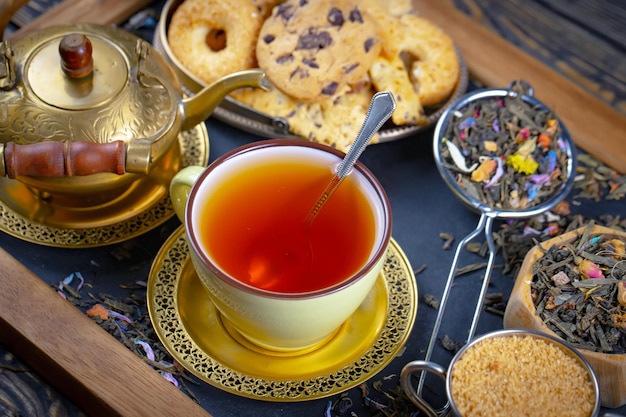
(310, 49)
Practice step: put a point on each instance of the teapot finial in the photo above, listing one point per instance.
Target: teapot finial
(76, 55)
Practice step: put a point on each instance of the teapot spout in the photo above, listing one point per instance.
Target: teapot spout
(200, 106)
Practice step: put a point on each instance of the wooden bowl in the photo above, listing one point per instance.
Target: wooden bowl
(520, 313)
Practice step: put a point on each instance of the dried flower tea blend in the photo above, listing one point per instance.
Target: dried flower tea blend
(579, 291)
(505, 152)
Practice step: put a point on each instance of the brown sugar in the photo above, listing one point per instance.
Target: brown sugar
(520, 376)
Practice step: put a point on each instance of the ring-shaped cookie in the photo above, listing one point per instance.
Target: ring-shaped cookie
(435, 66)
(213, 38)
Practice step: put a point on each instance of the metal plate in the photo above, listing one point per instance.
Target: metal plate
(250, 120)
(196, 335)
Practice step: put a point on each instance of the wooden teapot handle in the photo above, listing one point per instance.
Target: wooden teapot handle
(60, 159)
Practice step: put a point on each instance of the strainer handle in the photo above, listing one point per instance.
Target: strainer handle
(485, 224)
(414, 395)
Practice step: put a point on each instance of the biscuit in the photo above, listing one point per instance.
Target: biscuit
(435, 68)
(390, 74)
(272, 102)
(344, 115)
(333, 121)
(265, 6)
(214, 38)
(311, 49)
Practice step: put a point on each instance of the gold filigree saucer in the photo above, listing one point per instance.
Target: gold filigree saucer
(150, 212)
(194, 333)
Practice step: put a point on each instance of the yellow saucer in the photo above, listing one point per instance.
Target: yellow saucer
(193, 332)
(152, 206)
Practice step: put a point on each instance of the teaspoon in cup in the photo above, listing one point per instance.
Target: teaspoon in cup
(381, 108)
(294, 249)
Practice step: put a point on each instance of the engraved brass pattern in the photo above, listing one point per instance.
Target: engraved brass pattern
(138, 110)
(175, 327)
(194, 145)
(7, 66)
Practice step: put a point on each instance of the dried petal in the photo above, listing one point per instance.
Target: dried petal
(467, 123)
(615, 248)
(528, 230)
(532, 190)
(484, 170)
(560, 278)
(549, 161)
(515, 201)
(527, 148)
(540, 179)
(522, 135)
(495, 125)
(589, 269)
(458, 158)
(619, 320)
(490, 146)
(551, 126)
(169, 377)
(98, 310)
(120, 316)
(621, 293)
(562, 209)
(552, 229)
(522, 164)
(544, 140)
(497, 175)
(146, 348)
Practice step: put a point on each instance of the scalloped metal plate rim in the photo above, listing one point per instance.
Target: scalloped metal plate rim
(193, 333)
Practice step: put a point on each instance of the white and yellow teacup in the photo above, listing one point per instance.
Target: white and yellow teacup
(278, 284)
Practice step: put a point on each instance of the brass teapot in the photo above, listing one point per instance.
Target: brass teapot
(87, 111)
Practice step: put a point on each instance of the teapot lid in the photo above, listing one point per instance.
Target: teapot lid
(58, 90)
(54, 80)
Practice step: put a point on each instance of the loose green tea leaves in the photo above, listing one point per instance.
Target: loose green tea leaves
(506, 153)
(448, 239)
(579, 291)
(495, 303)
(126, 319)
(431, 301)
(450, 345)
(596, 181)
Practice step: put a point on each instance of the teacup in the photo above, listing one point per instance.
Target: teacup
(512, 373)
(279, 284)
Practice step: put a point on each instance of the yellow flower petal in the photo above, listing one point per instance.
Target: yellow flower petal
(525, 165)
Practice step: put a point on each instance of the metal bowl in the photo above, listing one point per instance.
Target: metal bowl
(445, 373)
